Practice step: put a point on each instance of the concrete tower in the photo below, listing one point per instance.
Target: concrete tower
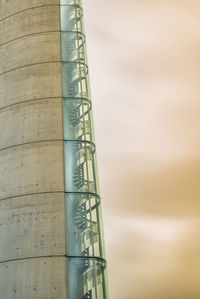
(51, 244)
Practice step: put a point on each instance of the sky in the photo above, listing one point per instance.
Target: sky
(144, 61)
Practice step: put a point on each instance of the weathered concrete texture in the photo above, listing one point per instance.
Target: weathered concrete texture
(32, 226)
(32, 168)
(32, 199)
(41, 19)
(32, 82)
(41, 278)
(10, 7)
(31, 121)
(30, 50)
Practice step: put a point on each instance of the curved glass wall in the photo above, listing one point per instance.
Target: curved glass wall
(80, 167)
(87, 278)
(71, 16)
(85, 246)
(73, 46)
(78, 124)
(84, 227)
(75, 76)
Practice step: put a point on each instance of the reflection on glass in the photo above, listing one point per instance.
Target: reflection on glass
(87, 279)
(84, 227)
(70, 2)
(80, 167)
(71, 18)
(86, 265)
(75, 81)
(73, 46)
(77, 120)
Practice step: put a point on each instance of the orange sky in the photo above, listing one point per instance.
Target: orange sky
(144, 60)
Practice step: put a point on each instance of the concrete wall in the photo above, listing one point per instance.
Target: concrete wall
(41, 278)
(28, 22)
(31, 168)
(39, 81)
(32, 226)
(31, 121)
(32, 199)
(10, 7)
(39, 48)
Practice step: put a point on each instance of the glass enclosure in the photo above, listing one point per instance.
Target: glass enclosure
(80, 167)
(84, 227)
(85, 244)
(78, 124)
(87, 278)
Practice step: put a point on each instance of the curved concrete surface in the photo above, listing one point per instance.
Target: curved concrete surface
(32, 226)
(8, 8)
(31, 121)
(40, 19)
(30, 50)
(32, 168)
(32, 82)
(32, 199)
(41, 278)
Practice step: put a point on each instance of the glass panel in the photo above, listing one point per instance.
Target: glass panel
(73, 47)
(80, 167)
(87, 279)
(75, 81)
(77, 120)
(70, 2)
(71, 18)
(84, 227)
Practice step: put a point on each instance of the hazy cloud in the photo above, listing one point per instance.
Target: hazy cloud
(145, 68)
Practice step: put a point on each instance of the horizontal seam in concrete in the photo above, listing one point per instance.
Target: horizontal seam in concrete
(30, 100)
(32, 64)
(30, 194)
(33, 257)
(55, 256)
(31, 142)
(51, 192)
(31, 34)
(27, 9)
(49, 140)
(33, 7)
(40, 33)
(46, 98)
